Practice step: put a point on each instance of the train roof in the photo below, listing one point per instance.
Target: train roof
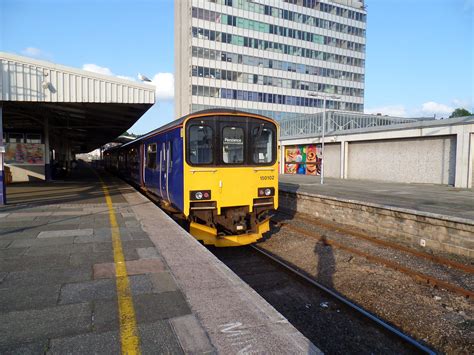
(179, 121)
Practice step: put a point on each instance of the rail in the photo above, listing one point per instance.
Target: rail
(350, 304)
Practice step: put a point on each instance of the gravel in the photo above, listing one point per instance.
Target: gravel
(440, 318)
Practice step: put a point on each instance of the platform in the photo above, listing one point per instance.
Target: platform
(434, 216)
(436, 199)
(61, 279)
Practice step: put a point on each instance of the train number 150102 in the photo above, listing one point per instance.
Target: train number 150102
(271, 177)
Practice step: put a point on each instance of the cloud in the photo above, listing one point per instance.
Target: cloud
(433, 108)
(35, 53)
(467, 104)
(94, 68)
(427, 109)
(164, 83)
(391, 110)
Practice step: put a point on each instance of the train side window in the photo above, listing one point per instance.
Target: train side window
(262, 145)
(233, 145)
(200, 144)
(151, 156)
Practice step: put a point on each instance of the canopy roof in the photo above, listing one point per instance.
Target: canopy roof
(90, 109)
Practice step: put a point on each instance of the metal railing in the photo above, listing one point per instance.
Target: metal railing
(336, 121)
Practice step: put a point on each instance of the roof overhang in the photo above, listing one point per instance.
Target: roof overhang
(90, 109)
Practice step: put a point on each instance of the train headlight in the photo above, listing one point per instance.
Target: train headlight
(266, 192)
(200, 195)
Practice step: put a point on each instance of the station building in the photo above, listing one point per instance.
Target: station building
(50, 112)
(278, 58)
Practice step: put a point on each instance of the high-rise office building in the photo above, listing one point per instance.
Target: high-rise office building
(274, 57)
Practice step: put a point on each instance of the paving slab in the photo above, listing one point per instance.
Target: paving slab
(28, 326)
(34, 263)
(147, 253)
(20, 279)
(29, 297)
(41, 243)
(89, 343)
(191, 336)
(38, 347)
(102, 289)
(12, 252)
(134, 267)
(159, 338)
(164, 306)
(163, 282)
(66, 233)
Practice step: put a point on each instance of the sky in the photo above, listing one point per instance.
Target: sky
(419, 56)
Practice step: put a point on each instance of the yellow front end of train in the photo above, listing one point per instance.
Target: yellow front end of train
(230, 177)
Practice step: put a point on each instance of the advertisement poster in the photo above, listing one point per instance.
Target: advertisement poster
(311, 154)
(293, 155)
(291, 168)
(24, 153)
(303, 159)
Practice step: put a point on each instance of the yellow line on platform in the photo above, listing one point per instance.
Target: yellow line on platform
(129, 339)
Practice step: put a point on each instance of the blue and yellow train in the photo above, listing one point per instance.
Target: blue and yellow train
(218, 169)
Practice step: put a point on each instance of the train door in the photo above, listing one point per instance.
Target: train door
(142, 165)
(164, 170)
(169, 162)
(160, 177)
(150, 167)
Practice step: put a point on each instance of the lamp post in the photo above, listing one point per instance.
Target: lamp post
(323, 133)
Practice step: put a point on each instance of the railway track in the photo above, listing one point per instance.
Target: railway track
(330, 321)
(418, 276)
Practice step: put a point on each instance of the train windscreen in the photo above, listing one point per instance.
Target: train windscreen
(230, 141)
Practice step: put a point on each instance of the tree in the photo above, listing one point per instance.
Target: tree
(460, 112)
(131, 134)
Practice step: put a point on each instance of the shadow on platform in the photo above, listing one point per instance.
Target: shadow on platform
(81, 187)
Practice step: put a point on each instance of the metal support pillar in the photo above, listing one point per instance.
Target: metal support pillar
(322, 141)
(3, 192)
(47, 157)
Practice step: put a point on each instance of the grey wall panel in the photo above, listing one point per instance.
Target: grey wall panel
(332, 167)
(415, 160)
(472, 162)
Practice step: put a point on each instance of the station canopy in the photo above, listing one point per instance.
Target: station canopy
(86, 108)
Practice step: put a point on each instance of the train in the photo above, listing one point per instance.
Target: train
(215, 169)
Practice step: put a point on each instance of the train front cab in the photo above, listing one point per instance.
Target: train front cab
(230, 177)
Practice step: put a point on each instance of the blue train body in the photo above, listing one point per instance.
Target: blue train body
(130, 161)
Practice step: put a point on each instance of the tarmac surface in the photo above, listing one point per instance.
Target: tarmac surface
(61, 288)
(435, 199)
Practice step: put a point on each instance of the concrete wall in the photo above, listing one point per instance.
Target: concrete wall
(332, 167)
(471, 167)
(21, 173)
(438, 233)
(412, 160)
